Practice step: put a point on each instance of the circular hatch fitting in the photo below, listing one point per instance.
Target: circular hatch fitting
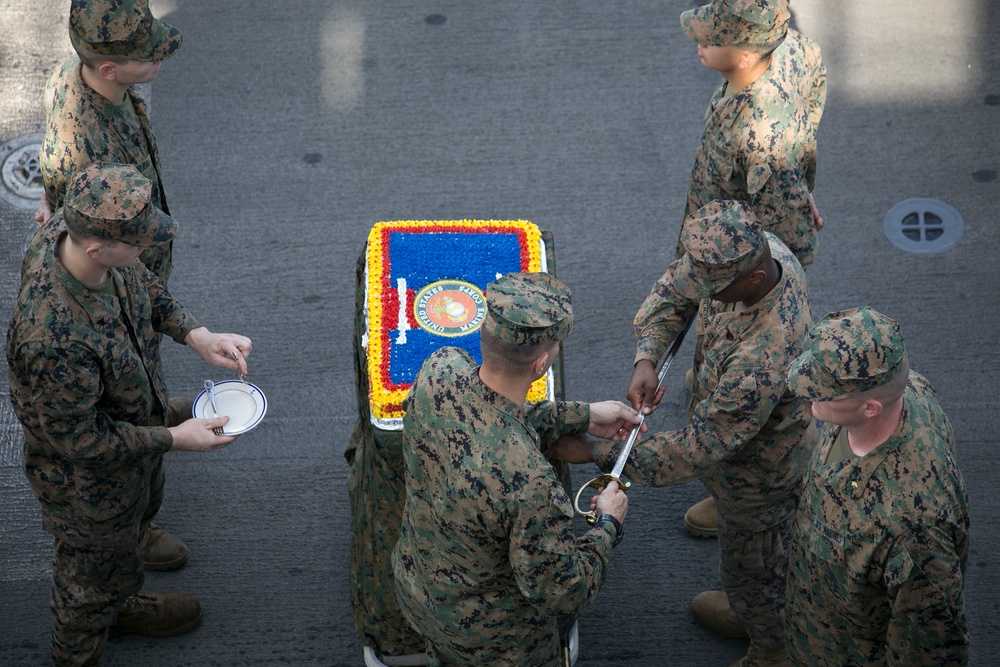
(923, 226)
(21, 173)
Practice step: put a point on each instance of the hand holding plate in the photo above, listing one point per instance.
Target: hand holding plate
(200, 435)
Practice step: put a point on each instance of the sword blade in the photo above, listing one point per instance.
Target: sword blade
(623, 455)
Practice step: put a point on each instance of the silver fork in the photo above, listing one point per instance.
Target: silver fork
(244, 377)
(210, 388)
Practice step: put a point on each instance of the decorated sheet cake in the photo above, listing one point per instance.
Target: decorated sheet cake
(425, 284)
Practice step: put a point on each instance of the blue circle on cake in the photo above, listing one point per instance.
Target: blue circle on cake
(449, 308)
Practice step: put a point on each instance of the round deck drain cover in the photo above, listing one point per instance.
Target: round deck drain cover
(923, 226)
(21, 175)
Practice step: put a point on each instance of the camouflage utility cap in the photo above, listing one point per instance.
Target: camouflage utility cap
(528, 309)
(731, 22)
(111, 202)
(849, 352)
(124, 28)
(723, 239)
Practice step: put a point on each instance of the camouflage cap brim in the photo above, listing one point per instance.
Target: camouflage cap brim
(150, 228)
(722, 240)
(129, 31)
(156, 228)
(112, 201)
(811, 381)
(698, 24)
(164, 41)
(689, 281)
(717, 24)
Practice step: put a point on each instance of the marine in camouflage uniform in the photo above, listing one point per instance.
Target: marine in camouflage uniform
(377, 492)
(759, 143)
(487, 557)
(877, 570)
(747, 432)
(82, 126)
(91, 403)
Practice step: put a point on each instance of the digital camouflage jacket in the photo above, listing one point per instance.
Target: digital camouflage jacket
(86, 391)
(487, 557)
(877, 570)
(759, 145)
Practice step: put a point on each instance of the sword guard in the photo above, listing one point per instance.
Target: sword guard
(596, 483)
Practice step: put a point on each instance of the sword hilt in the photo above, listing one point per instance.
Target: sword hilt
(607, 478)
(597, 483)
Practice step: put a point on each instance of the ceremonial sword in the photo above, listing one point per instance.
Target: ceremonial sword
(616, 473)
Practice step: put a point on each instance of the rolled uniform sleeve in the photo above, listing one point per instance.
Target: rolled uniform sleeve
(555, 571)
(817, 75)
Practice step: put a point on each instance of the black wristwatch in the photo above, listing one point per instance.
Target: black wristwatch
(619, 533)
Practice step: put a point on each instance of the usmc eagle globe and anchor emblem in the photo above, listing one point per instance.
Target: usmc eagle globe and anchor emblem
(450, 308)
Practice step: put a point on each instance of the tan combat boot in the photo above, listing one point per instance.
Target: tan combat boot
(156, 615)
(179, 409)
(700, 519)
(760, 656)
(712, 611)
(161, 551)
